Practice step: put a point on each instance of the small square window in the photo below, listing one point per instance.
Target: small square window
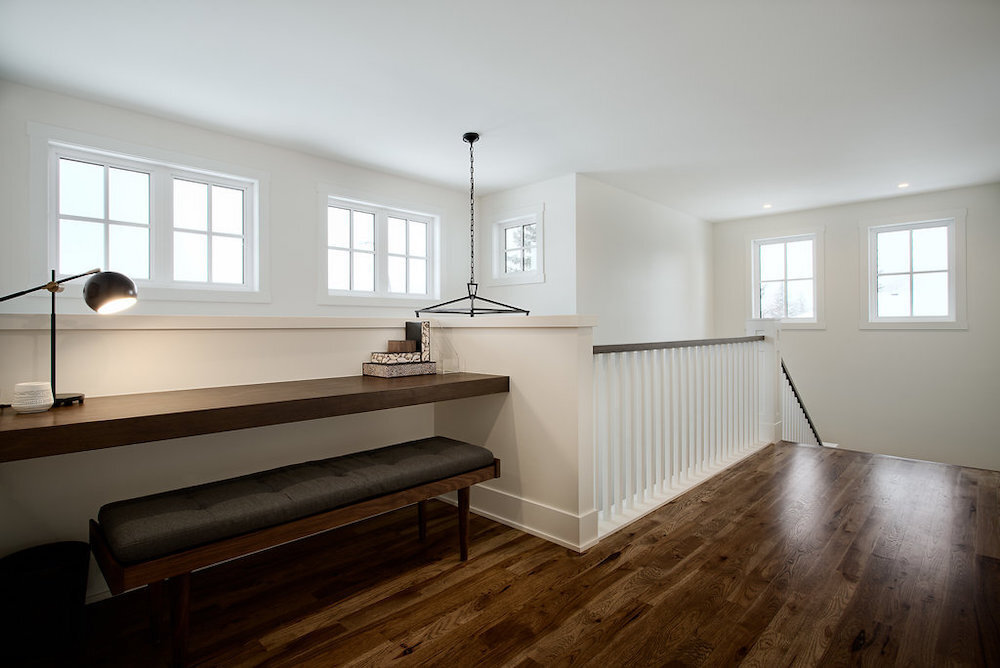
(786, 279)
(914, 274)
(518, 251)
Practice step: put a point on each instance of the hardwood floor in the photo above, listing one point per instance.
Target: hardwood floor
(796, 556)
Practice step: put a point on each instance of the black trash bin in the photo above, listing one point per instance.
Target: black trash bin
(43, 591)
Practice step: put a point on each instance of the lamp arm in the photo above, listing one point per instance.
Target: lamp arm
(50, 286)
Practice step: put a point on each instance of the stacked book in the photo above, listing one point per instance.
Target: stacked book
(409, 357)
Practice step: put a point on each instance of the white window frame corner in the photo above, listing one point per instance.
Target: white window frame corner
(499, 222)
(957, 261)
(753, 243)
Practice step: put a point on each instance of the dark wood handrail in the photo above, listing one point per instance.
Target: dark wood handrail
(798, 398)
(630, 347)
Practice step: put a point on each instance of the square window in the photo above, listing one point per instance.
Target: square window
(518, 251)
(786, 279)
(213, 218)
(914, 274)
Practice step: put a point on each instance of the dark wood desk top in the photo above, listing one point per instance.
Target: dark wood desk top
(104, 422)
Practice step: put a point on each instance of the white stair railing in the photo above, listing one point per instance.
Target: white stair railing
(669, 415)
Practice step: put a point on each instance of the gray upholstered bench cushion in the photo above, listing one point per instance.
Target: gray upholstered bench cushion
(152, 526)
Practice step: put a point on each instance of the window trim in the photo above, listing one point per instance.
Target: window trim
(526, 215)
(48, 141)
(330, 195)
(818, 321)
(954, 219)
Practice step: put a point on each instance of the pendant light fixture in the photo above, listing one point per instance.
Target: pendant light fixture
(484, 306)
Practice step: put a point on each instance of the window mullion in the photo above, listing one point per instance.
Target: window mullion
(873, 280)
(758, 283)
(952, 272)
(107, 217)
(249, 241)
(208, 233)
(350, 252)
(381, 259)
(406, 260)
(162, 250)
(784, 281)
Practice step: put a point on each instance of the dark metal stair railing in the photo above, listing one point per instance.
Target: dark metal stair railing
(798, 398)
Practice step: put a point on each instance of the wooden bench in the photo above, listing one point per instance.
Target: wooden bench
(159, 540)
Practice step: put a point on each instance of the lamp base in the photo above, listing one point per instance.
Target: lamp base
(67, 399)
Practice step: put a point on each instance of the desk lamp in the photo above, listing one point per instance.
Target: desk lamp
(104, 291)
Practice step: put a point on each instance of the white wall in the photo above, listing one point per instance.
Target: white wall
(922, 394)
(642, 268)
(292, 211)
(557, 295)
(542, 432)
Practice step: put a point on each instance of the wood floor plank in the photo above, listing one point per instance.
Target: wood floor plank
(797, 555)
(817, 597)
(988, 515)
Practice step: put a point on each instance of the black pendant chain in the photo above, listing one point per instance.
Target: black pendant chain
(472, 138)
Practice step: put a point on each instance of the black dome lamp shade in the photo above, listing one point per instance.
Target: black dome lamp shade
(109, 292)
(485, 306)
(105, 292)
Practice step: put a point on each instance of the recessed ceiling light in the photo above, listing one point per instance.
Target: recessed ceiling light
(904, 184)
(767, 206)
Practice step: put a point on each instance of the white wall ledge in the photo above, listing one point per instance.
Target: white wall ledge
(39, 322)
(515, 321)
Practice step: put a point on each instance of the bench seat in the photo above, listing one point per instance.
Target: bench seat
(153, 526)
(159, 540)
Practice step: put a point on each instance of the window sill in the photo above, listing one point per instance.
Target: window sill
(788, 325)
(196, 294)
(517, 279)
(914, 324)
(374, 300)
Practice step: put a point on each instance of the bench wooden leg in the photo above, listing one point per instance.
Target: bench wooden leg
(422, 519)
(157, 605)
(180, 598)
(463, 523)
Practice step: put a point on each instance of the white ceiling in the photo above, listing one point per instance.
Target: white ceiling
(713, 107)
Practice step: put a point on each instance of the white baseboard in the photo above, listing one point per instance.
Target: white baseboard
(572, 531)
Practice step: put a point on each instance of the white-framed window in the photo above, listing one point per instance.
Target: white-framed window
(103, 215)
(179, 230)
(915, 275)
(518, 248)
(210, 230)
(786, 275)
(377, 251)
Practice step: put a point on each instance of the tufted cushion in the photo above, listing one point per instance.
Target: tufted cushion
(152, 526)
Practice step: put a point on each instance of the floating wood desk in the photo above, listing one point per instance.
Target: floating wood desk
(105, 422)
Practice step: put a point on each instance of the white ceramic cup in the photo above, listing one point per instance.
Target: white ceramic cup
(33, 397)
